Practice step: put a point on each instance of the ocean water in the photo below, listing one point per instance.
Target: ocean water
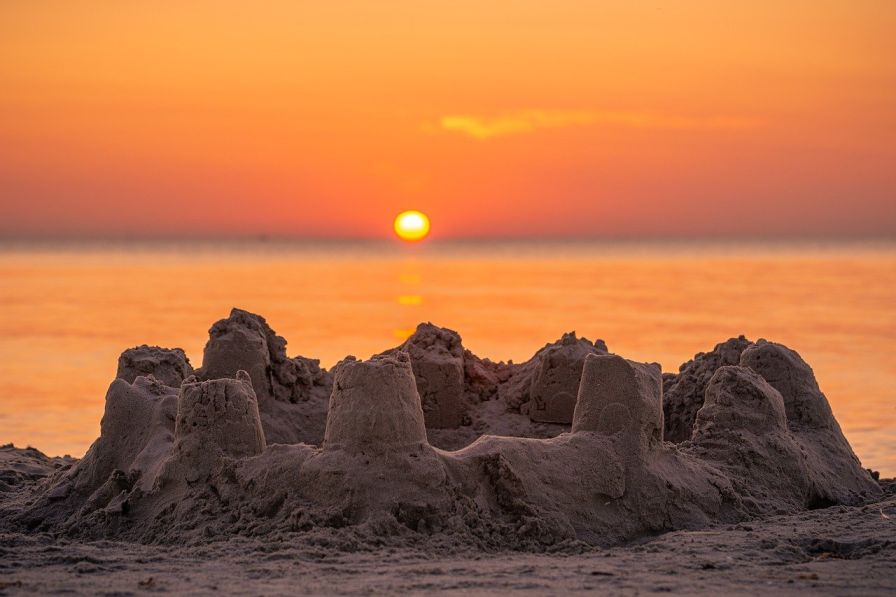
(68, 310)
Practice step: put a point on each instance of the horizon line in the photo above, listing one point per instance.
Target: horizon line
(572, 238)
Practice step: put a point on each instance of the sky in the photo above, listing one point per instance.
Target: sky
(505, 118)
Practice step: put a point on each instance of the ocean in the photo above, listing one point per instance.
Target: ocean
(68, 309)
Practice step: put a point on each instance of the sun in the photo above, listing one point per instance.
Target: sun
(411, 225)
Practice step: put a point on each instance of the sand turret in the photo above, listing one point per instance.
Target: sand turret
(168, 365)
(216, 418)
(239, 343)
(437, 359)
(616, 394)
(545, 387)
(375, 406)
(245, 341)
(555, 383)
(292, 392)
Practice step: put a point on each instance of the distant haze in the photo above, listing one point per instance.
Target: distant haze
(502, 118)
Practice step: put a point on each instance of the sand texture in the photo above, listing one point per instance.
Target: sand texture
(432, 455)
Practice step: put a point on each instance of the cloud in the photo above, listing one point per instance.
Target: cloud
(528, 121)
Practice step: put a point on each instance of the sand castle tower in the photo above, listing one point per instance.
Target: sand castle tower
(238, 343)
(437, 359)
(168, 365)
(216, 418)
(555, 383)
(616, 394)
(245, 341)
(375, 406)
(376, 461)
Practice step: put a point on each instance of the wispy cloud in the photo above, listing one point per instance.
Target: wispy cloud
(528, 121)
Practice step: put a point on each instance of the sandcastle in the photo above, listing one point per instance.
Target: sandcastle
(214, 451)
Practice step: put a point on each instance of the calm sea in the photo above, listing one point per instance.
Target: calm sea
(67, 311)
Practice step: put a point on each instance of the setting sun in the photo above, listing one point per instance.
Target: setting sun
(411, 225)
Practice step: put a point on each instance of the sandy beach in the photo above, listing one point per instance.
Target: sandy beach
(837, 551)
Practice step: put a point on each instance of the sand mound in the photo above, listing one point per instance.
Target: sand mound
(20, 469)
(742, 429)
(188, 463)
(136, 433)
(839, 477)
(683, 392)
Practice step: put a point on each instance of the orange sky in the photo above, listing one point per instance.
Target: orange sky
(694, 117)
